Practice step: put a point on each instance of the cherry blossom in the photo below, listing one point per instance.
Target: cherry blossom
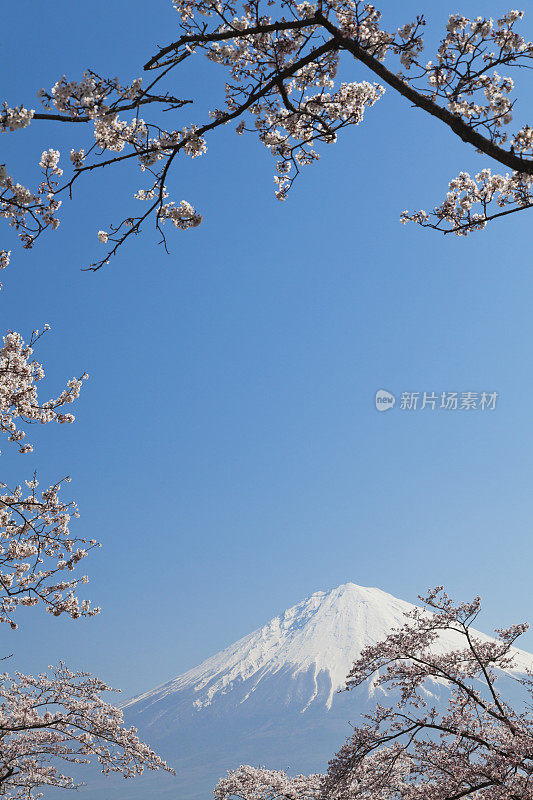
(467, 203)
(29, 212)
(472, 744)
(35, 547)
(5, 257)
(11, 119)
(58, 718)
(253, 783)
(281, 66)
(19, 402)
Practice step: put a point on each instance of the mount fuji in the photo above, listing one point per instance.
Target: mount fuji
(272, 697)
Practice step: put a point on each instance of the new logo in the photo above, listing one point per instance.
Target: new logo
(384, 400)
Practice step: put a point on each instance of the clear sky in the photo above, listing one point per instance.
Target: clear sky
(227, 451)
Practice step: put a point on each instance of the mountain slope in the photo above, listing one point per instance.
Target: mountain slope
(318, 638)
(271, 698)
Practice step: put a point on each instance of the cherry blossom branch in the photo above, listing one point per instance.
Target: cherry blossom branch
(466, 745)
(274, 27)
(175, 103)
(36, 546)
(464, 131)
(283, 75)
(19, 374)
(61, 717)
(184, 215)
(467, 226)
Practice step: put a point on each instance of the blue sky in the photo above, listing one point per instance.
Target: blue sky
(227, 451)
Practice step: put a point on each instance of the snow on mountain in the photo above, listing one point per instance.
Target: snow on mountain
(319, 637)
(271, 698)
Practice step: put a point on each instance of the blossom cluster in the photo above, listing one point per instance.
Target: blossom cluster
(469, 200)
(464, 74)
(11, 119)
(282, 84)
(258, 783)
(5, 257)
(57, 718)
(98, 100)
(466, 741)
(112, 133)
(30, 213)
(19, 374)
(290, 118)
(92, 96)
(182, 216)
(35, 546)
(286, 133)
(292, 115)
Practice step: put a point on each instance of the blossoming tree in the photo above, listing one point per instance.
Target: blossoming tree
(282, 60)
(50, 720)
(475, 745)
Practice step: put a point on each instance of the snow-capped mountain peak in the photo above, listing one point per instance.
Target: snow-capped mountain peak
(271, 698)
(314, 643)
